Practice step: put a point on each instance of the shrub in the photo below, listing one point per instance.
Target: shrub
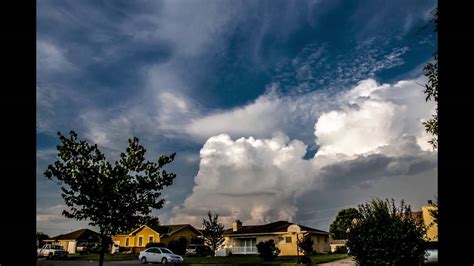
(178, 246)
(386, 235)
(197, 240)
(153, 244)
(267, 250)
(306, 245)
(340, 250)
(305, 260)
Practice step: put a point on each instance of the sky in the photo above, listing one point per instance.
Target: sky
(277, 110)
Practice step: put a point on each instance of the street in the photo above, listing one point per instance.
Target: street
(45, 262)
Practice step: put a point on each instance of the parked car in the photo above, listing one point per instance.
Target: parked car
(431, 256)
(162, 255)
(94, 247)
(82, 248)
(200, 250)
(52, 251)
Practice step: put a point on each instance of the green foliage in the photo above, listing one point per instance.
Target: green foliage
(213, 232)
(338, 228)
(155, 244)
(40, 236)
(113, 197)
(431, 91)
(340, 250)
(152, 221)
(196, 240)
(178, 246)
(386, 235)
(306, 245)
(267, 250)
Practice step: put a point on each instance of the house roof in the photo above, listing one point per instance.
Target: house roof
(82, 234)
(279, 226)
(338, 241)
(167, 230)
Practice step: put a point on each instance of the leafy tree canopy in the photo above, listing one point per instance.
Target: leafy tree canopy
(385, 234)
(338, 228)
(115, 197)
(213, 232)
(431, 90)
(267, 250)
(306, 244)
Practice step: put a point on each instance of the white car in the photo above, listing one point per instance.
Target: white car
(162, 255)
(431, 256)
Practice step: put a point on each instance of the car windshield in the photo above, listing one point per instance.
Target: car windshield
(167, 251)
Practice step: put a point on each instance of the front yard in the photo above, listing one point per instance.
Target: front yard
(257, 260)
(107, 257)
(315, 259)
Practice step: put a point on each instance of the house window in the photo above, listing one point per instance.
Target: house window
(140, 241)
(150, 239)
(326, 239)
(127, 242)
(288, 239)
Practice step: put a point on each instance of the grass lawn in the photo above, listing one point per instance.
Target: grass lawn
(257, 260)
(107, 257)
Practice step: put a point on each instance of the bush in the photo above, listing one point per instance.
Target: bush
(153, 244)
(340, 250)
(178, 246)
(306, 245)
(197, 240)
(305, 260)
(386, 235)
(267, 250)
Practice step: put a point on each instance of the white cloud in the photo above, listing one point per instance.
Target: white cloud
(372, 133)
(51, 58)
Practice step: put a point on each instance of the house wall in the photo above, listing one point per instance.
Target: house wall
(288, 249)
(321, 243)
(428, 220)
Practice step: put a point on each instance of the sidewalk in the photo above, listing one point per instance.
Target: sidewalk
(343, 262)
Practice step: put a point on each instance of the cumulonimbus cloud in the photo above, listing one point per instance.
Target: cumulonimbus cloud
(373, 133)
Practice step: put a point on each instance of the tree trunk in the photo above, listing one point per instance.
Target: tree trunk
(103, 249)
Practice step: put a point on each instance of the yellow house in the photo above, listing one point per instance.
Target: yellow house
(428, 221)
(431, 227)
(140, 237)
(243, 239)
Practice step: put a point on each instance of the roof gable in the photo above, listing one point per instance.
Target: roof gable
(82, 234)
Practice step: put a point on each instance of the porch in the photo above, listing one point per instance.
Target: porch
(244, 246)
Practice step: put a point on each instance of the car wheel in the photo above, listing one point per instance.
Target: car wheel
(143, 260)
(164, 261)
(50, 256)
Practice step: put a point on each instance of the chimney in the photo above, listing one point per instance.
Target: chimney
(236, 225)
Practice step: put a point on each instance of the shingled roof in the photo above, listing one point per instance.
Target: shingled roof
(167, 230)
(82, 234)
(275, 227)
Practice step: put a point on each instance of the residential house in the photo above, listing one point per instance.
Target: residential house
(242, 239)
(69, 241)
(427, 219)
(140, 237)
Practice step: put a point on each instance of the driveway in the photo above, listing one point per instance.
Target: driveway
(343, 262)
